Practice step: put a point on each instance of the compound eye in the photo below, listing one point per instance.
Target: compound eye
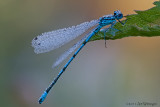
(120, 15)
(114, 13)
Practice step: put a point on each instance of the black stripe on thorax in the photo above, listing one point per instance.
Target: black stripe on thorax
(108, 18)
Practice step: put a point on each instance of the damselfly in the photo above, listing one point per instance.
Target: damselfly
(51, 40)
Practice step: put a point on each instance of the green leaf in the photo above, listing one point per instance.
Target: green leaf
(144, 23)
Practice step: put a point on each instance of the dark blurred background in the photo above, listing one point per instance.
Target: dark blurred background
(126, 71)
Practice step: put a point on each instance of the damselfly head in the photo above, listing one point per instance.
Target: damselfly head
(118, 14)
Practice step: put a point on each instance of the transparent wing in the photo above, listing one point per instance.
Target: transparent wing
(54, 39)
(69, 51)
